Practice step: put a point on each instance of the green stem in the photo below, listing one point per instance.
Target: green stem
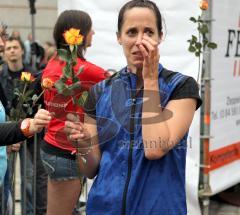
(39, 96)
(21, 101)
(25, 88)
(199, 58)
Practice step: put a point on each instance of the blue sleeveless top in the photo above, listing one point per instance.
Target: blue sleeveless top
(127, 182)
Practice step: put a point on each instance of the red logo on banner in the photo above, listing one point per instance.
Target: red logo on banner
(236, 69)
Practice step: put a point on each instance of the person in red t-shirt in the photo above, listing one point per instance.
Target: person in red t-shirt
(58, 154)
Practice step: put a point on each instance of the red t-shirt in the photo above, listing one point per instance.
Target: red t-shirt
(59, 105)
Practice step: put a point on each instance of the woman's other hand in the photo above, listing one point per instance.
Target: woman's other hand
(75, 130)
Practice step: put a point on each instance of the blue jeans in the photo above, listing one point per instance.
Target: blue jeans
(59, 168)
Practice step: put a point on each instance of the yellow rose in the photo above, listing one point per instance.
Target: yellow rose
(27, 77)
(73, 36)
(203, 5)
(47, 83)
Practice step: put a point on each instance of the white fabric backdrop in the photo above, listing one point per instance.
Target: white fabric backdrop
(174, 55)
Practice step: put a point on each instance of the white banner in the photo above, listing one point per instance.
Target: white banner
(106, 52)
(225, 96)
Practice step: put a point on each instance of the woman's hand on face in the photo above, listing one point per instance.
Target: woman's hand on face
(150, 52)
(40, 120)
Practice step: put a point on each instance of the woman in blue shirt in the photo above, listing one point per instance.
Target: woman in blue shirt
(135, 131)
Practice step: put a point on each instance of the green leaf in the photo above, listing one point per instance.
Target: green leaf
(27, 99)
(67, 72)
(64, 54)
(60, 86)
(194, 38)
(212, 45)
(28, 93)
(17, 93)
(76, 80)
(203, 29)
(34, 97)
(191, 42)
(198, 45)
(64, 79)
(80, 70)
(83, 98)
(193, 19)
(74, 86)
(191, 49)
(197, 54)
(74, 63)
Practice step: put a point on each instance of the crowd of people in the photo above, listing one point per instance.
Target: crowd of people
(16, 58)
(129, 136)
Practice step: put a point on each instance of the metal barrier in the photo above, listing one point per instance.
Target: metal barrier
(23, 198)
(30, 170)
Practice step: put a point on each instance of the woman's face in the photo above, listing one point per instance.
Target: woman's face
(137, 22)
(89, 38)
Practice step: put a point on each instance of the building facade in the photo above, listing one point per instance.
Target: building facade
(16, 14)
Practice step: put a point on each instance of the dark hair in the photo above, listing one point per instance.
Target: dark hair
(12, 38)
(72, 19)
(143, 4)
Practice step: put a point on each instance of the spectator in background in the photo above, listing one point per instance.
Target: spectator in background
(47, 45)
(3, 102)
(12, 69)
(16, 34)
(34, 53)
(49, 51)
(37, 55)
(28, 52)
(3, 38)
(12, 132)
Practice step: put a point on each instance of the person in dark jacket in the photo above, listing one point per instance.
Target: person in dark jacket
(12, 132)
(10, 76)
